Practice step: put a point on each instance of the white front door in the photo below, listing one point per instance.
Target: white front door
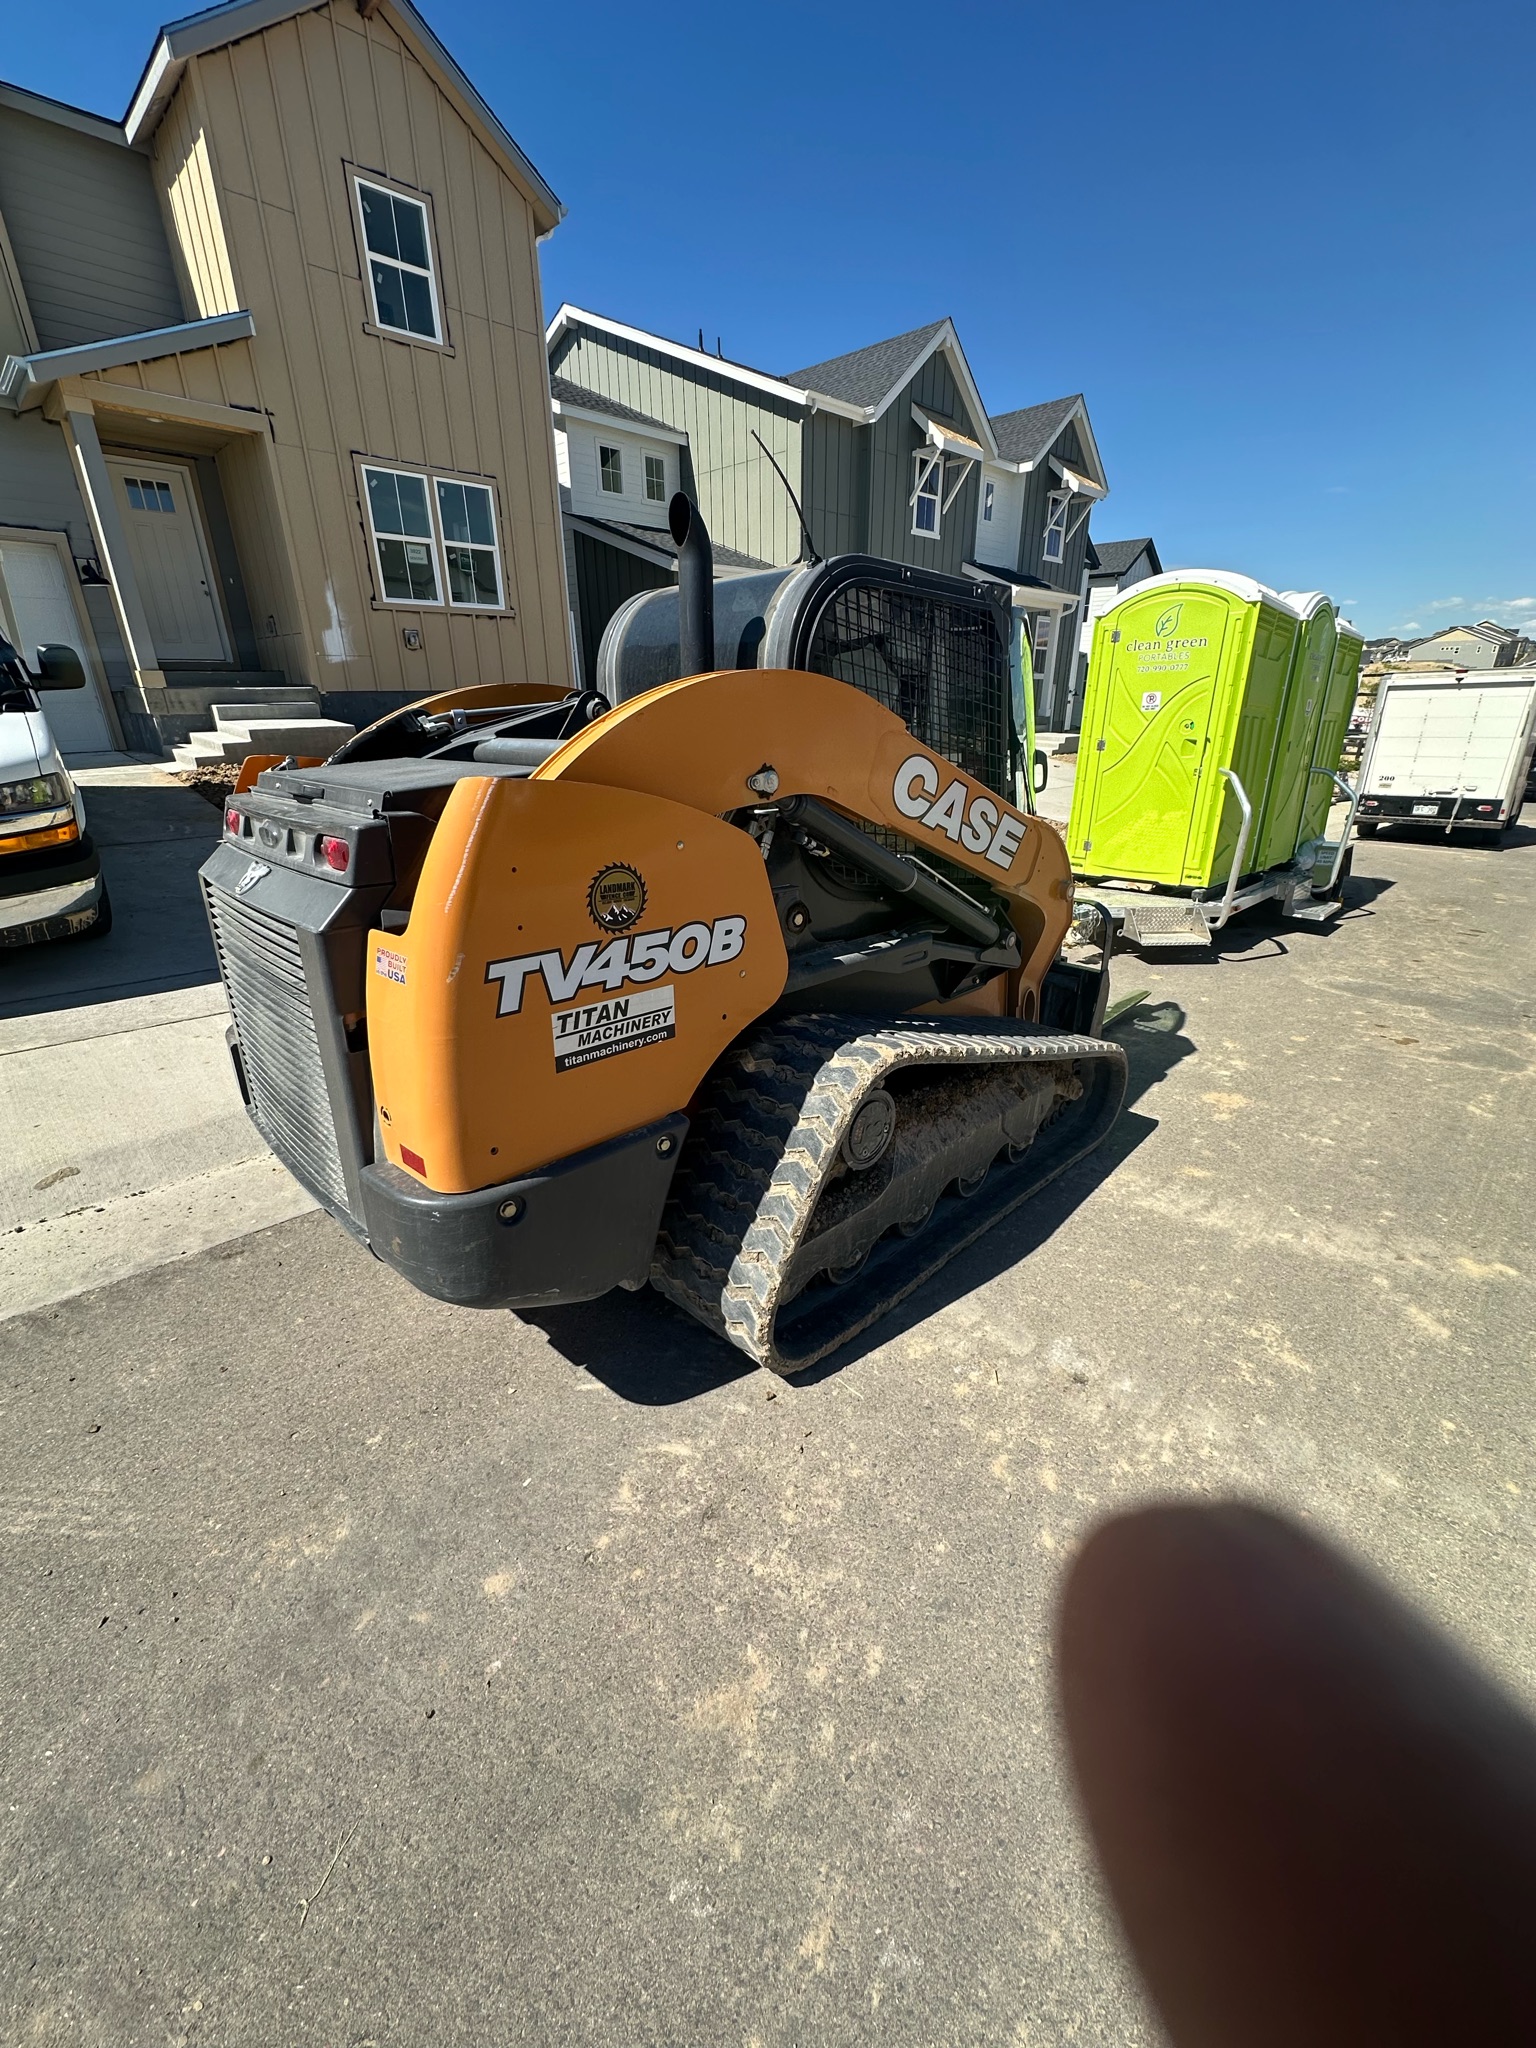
(170, 558)
(42, 609)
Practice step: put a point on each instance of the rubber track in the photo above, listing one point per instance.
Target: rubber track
(765, 1139)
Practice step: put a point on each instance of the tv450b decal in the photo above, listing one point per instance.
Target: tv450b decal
(646, 956)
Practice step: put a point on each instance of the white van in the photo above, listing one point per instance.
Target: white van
(1452, 750)
(50, 874)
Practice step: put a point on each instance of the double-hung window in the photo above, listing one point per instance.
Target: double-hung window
(926, 498)
(434, 540)
(656, 479)
(610, 469)
(1055, 547)
(401, 278)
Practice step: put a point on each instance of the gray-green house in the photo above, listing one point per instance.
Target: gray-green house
(889, 450)
(883, 449)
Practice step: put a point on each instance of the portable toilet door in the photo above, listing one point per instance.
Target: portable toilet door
(1280, 826)
(1244, 735)
(1166, 660)
(1343, 681)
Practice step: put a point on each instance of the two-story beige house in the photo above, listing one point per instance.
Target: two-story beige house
(274, 399)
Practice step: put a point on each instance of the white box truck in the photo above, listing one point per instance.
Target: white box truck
(1450, 750)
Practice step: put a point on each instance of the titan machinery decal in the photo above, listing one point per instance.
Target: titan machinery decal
(596, 1031)
(643, 957)
(984, 826)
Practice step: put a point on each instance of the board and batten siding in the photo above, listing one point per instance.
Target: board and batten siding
(745, 506)
(85, 227)
(192, 207)
(605, 577)
(284, 115)
(834, 484)
(894, 439)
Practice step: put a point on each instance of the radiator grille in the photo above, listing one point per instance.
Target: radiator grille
(263, 972)
(940, 664)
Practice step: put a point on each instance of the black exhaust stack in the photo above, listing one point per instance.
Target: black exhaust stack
(695, 587)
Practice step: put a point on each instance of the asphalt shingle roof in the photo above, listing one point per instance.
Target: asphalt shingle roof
(1116, 556)
(867, 374)
(1025, 435)
(595, 401)
(660, 538)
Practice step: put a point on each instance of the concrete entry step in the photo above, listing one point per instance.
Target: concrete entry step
(317, 736)
(298, 704)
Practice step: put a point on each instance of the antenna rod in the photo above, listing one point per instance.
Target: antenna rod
(810, 545)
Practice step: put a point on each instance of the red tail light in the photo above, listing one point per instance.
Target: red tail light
(232, 823)
(336, 853)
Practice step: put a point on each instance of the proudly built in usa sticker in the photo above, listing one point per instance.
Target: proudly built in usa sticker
(390, 964)
(596, 1031)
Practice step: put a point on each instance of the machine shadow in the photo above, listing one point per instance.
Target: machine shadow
(652, 1355)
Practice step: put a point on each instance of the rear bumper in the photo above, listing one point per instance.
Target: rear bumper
(1414, 810)
(569, 1232)
(44, 897)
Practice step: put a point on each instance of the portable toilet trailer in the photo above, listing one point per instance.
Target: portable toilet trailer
(1326, 784)
(1306, 694)
(1183, 724)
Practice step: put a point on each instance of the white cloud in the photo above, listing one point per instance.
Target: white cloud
(1412, 626)
(1511, 604)
(1446, 604)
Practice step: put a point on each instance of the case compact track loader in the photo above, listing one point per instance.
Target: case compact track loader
(740, 985)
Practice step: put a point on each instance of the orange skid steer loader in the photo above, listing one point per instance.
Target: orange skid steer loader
(738, 986)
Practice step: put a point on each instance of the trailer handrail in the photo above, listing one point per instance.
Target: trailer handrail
(1353, 798)
(1242, 847)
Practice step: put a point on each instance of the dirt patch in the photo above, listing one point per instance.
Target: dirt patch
(215, 785)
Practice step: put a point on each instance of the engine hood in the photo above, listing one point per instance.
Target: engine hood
(26, 746)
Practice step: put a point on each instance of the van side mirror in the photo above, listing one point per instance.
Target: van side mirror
(59, 668)
(1042, 770)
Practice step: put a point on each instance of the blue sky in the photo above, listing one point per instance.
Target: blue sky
(1285, 251)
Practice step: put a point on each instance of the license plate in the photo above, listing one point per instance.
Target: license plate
(1426, 810)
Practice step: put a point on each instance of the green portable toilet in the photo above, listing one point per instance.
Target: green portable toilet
(1280, 824)
(1343, 681)
(1187, 678)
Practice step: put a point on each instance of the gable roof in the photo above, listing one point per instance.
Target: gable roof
(1025, 435)
(195, 34)
(865, 375)
(568, 316)
(578, 399)
(1116, 556)
(872, 378)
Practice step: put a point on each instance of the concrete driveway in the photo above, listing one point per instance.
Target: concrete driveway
(127, 1144)
(379, 1672)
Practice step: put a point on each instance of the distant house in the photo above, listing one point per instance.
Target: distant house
(273, 402)
(1113, 566)
(1484, 645)
(889, 450)
(1037, 491)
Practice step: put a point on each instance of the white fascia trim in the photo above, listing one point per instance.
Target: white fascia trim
(1080, 414)
(22, 375)
(945, 338)
(595, 529)
(946, 439)
(195, 34)
(754, 380)
(1082, 486)
(563, 409)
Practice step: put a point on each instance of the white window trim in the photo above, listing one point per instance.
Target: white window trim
(928, 463)
(654, 497)
(988, 499)
(1055, 523)
(366, 255)
(613, 448)
(444, 601)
